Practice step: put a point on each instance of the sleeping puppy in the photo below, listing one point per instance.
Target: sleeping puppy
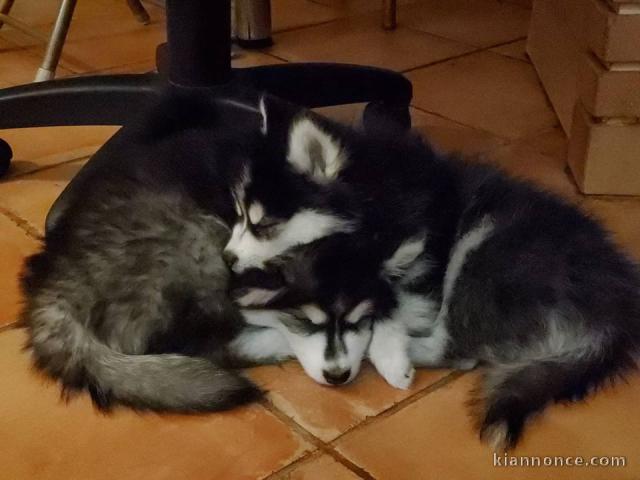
(476, 266)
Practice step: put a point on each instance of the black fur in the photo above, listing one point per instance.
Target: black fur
(548, 302)
(117, 303)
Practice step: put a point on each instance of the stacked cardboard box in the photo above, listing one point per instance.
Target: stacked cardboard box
(587, 54)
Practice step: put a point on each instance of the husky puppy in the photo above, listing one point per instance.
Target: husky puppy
(128, 298)
(483, 268)
(325, 315)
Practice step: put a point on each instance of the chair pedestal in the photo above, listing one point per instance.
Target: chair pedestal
(197, 57)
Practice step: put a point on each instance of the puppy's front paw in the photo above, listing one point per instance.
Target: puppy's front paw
(398, 374)
(389, 353)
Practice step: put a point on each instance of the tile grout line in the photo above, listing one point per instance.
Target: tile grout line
(36, 51)
(348, 464)
(466, 54)
(523, 60)
(9, 326)
(102, 71)
(273, 55)
(438, 62)
(436, 35)
(20, 176)
(481, 130)
(320, 446)
(302, 27)
(283, 417)
(16, 219)
(283, 472)
(22, 224)
(329, 448)
(396, 407)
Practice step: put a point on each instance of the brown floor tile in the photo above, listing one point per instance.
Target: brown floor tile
(89, 22)
(523, 3)
(30, 196)
(20, 66)
(328, 412)
(487, 91)
(14, 38)
(248, 58)
(291, 14)
(34, 148)
(353, 7)
(15, 245)
(482, 23)
(319, 467)
(45, 13)
(145, 66)
(515, 50)
(35, 13)
(96, 8)
(95, 18)
(552, 142)
(17, 38)
(452, 137)
(350, 114)
(242, 58)
(433, 438)
(6, 44)
(361, 40)
(98, 53)
(47, 439)
(621, 215)
(522, 161)
(110, 21)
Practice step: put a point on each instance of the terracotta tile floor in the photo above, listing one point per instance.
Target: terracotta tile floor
(476, 93)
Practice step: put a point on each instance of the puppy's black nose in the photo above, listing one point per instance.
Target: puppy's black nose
(229, 258)
(336, 377)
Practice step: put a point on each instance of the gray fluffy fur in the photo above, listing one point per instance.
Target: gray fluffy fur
(129, 297)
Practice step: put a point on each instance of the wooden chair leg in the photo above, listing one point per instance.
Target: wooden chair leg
(139, 11)
(5, 8)
(54, 47)
(389, 14)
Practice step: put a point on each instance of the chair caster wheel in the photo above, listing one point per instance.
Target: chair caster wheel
(5, 157)
(397, 114)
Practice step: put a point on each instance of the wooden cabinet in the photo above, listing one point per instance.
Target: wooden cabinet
(587, 54)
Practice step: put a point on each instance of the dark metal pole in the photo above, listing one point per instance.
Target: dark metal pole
(199, 37)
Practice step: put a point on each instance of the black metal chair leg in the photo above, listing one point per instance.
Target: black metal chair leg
(398, 113)
(5, 156)
(197, 58)
(111, 100)
(326, 84)
(105, 100)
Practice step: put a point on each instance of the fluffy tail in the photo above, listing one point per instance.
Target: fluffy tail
(512, 394)
(67, 351)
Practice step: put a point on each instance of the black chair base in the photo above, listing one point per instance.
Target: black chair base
(111, 100)
(195, 58)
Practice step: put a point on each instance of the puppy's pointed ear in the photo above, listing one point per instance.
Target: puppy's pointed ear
(275, 117)
(262, 107)
(313, 151)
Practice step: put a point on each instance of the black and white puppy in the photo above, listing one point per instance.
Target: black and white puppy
(482, 268)
(128, 297)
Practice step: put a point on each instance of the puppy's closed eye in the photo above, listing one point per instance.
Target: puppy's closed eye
(362, 313)
(266, 227)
